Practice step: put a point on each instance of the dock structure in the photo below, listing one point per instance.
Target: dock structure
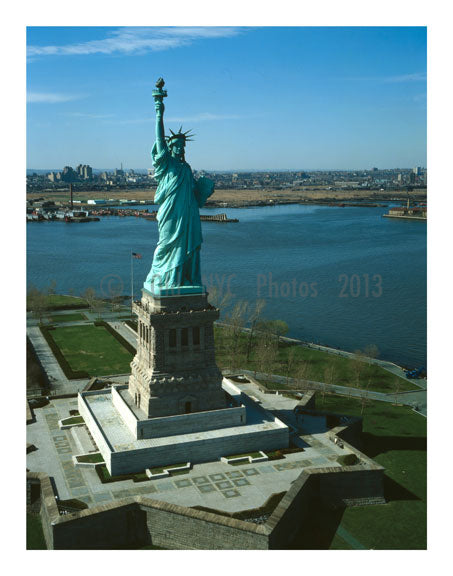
(217, 218)
(203, 217)
(408, 212)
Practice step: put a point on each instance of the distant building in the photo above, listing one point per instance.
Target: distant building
(68, 174)
(87, 172)
(97, 201)
(84, 172)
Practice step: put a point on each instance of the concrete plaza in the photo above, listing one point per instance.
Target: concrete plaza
(215, 485)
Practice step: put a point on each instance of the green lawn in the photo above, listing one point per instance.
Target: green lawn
(395, 437)
(92, 349)
(71, 317)
(252, 454)
(35, 535)
(160, 469)
(96, 458)
(342, 371)
(61, 302)
(72, 420)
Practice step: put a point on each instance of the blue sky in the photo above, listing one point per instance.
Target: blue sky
(257, 98)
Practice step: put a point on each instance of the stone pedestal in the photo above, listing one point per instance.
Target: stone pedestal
(174, 370)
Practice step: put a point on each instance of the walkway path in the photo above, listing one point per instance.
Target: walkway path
(125, 332)
(57, 379)
(413, 399)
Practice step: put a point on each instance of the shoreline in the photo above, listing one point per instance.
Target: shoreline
(330, 350)
(242, 198)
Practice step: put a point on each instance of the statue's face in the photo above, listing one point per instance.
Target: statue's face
(178, 147)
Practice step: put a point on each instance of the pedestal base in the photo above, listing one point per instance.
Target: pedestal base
(174, 370)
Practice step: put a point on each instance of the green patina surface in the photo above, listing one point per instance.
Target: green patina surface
(176, 260)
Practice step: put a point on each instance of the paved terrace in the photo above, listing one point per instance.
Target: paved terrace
(214, 485)
(121, 438)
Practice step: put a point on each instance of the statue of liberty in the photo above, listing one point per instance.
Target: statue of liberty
(176, 262)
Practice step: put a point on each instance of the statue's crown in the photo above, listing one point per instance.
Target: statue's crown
(186, 136)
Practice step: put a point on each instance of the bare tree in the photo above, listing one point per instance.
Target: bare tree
(266, 352)
(358, 366)
(116, 301)
(301, 375)
(219, 300)
(37, 302)
(253, 319)
(291, 360)
(51, 289)
(396, 387)
(98, 307)
(329, 376)
(235, 321)
(90, 296)
(276, 327)
(364, 397)
(372, 351)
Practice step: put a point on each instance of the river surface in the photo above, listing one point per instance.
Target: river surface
(345, 277)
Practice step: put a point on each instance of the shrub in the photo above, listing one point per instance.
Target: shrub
(275, 455)
(72, 504)
(38, 402)
(106, 478)
(36, 375)
(95, 458)
(332, 421)
(72, 420)
(291, 450)
(347, 459)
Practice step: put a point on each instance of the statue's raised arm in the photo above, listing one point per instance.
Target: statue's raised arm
(159, 94)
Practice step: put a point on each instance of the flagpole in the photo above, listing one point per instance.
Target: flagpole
(132, 281)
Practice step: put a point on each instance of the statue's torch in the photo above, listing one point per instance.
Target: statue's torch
(159, 93)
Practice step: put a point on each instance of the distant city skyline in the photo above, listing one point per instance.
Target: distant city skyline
(257, 98)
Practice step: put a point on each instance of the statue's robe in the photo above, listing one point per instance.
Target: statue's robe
(176, 259)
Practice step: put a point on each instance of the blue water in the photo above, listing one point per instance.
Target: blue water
(345, 277)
